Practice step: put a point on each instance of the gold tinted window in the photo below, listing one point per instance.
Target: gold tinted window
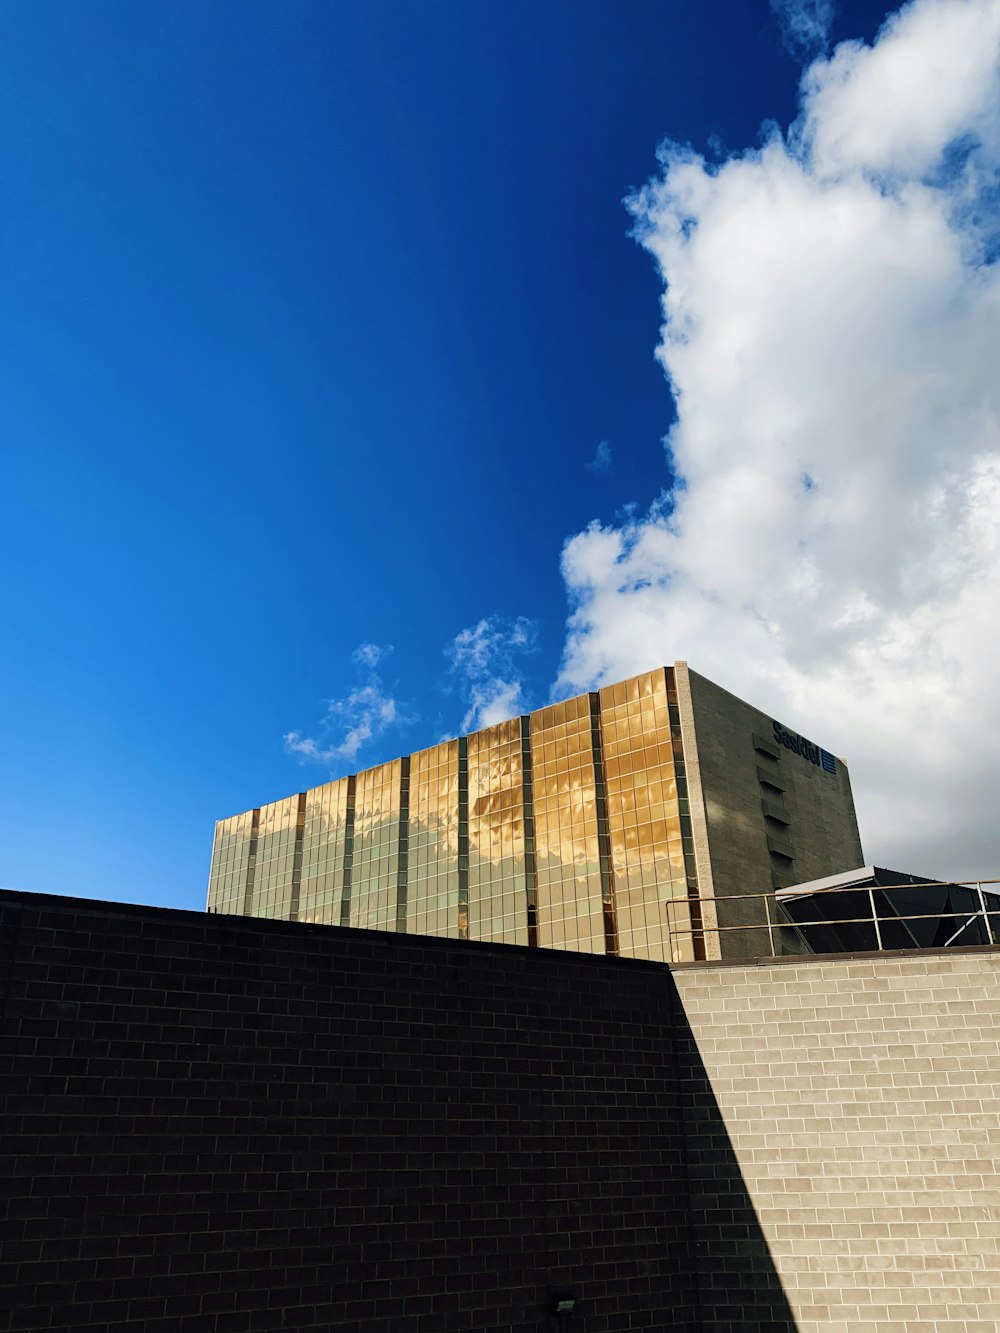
(375, 871)
(570, 910)
(497, 883)
(272, 883)
(432, 873)
(643, 814)
(324, 845)
(230, 863)
(588, 825)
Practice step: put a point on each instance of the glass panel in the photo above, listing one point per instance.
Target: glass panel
(230, 861)
(642, 814)
(376, 847)
(497, 885)
(644, 831)
(570, 911)
(272, 884)
(323, 853)
(432, 880)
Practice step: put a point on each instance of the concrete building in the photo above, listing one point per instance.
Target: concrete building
(643, 820)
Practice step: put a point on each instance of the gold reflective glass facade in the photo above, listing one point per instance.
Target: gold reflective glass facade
(564, 747)
(272, 889)
(376, 864)
(329, 819)
(646, 807)
(565, 828)
(227, 888)
(432, 880)
(498, 887)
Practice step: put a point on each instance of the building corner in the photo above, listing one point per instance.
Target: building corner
(697, 812)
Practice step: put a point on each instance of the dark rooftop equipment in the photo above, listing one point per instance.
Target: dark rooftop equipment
(874, 909)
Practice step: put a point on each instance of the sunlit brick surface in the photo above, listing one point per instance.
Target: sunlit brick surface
(862, 1100)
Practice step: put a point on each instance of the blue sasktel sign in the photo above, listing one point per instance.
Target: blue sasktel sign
(799, 745)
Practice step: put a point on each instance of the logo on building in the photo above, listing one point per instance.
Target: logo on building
(799, 745)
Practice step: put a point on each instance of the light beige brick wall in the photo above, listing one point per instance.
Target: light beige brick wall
(861, 1098)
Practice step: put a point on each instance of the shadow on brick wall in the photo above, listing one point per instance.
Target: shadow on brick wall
(214, 1124)
(738, 1285)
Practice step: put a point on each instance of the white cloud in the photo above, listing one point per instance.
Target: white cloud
(895, 107)
(484, 664)
(832, 320)
(370, 654)
(805, 24)
(601, 460)
(350, 722)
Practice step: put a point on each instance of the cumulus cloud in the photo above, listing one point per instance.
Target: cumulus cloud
(829, 546)
(601, 460)
(349, 723)
(484, 666)
(805, 24)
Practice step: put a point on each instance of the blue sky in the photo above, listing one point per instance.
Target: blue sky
(322, 327)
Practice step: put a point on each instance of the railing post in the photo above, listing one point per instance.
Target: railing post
(986, 915)
(878, 933)
(770, 927)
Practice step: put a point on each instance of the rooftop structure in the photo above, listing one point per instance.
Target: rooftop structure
(875, 909)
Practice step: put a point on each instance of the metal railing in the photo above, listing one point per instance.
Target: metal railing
(773, 918)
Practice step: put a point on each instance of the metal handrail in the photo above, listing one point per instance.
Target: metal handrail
(845, 888)
(774, 925)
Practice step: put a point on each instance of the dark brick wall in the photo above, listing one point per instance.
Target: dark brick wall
(214, 1123)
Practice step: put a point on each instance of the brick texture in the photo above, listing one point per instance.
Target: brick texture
(862, 1100)
(213, 1123)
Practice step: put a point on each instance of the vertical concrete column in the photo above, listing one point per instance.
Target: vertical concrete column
(697, 812)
